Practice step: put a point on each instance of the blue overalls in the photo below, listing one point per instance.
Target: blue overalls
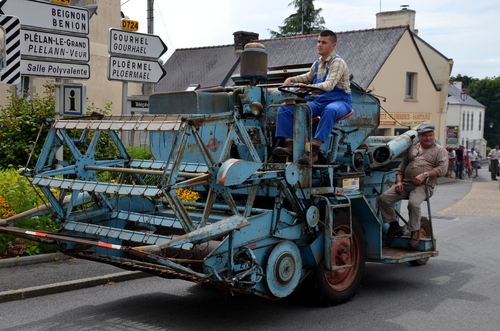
(329, 106)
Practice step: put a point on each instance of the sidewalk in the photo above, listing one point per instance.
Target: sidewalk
(27, 277)
(482, 199)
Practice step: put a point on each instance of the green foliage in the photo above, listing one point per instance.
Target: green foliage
(16, 193)
(20, 122)
(306, 20)
(139, 153)
(16, 196)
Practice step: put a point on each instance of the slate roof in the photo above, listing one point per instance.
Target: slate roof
(365, 52)
(455, 99)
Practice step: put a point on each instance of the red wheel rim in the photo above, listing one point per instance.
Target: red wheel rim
(343, 253)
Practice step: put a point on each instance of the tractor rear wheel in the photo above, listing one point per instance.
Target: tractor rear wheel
(328, 287)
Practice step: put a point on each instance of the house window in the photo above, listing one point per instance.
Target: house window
(468, 121)
(463, 121)
(472, 121)
(480, 121)
(411, 80)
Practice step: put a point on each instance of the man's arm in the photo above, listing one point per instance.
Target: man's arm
(304, 78)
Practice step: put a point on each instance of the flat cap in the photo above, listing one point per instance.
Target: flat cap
(425, 127)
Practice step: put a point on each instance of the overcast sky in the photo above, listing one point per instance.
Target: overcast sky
(465, 31)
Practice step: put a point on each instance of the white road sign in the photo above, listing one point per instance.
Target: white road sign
(54, 46)
(47, 15)
(55, 69)
(140, 45)
(134, 70)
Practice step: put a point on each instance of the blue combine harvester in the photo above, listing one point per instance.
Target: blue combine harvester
(258, 226)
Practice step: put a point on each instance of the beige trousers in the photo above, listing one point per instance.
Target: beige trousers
(415, 196)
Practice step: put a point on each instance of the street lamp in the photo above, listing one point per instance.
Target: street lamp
(463, 95)
(491, 125)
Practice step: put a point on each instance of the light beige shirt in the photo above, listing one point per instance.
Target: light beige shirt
(338, 74)
(494, 154)
(416, 162)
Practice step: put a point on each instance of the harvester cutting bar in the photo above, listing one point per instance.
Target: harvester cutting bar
(159, 165)
(141, 123)
(110, 188)
(140, 171)
(115, 233)
(122, 123)
(146, 219)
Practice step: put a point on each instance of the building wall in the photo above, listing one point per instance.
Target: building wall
(427, 104)
(396, 18)
(100, 90)
(471, 126)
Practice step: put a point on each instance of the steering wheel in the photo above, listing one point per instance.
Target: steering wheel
(304, 90)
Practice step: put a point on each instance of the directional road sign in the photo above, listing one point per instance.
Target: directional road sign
(10, 56)
(54, 46)
(135, 70)
(48, 16)
(55, 69)
(133, 44)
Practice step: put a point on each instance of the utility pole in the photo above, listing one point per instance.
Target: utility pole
(149, 88)
(302, 23)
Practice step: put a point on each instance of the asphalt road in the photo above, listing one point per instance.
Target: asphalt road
(458, 290)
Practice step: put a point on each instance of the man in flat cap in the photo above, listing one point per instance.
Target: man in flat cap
(422, 163)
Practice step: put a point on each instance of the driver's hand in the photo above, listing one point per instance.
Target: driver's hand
(300, 87)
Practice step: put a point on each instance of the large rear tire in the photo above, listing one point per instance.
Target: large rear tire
(327, 287)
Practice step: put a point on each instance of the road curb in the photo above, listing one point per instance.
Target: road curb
(34, 259)
(72, 285)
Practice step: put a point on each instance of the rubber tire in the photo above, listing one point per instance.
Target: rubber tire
(425, 231)
(316, 287)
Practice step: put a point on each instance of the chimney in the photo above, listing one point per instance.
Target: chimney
(241, 38)
(404, 16)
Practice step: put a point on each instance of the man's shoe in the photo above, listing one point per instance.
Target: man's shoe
(494, 179)
(414, 239)
(306, 158)
(280, 154)
(394, 231)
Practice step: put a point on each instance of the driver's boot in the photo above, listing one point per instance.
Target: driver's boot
(308, 157)
(281, 154)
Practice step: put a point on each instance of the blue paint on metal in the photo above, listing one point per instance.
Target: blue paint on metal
(248, 231)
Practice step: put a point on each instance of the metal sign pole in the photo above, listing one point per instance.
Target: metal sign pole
(58, 101)
(125, 134)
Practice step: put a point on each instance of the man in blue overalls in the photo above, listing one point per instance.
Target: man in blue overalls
(329, 73)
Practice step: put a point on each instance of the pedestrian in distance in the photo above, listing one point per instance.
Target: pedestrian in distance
(459, 169)
(494, 156)
(329, 73)
(452, 157)
(419, 170)
(468, 164)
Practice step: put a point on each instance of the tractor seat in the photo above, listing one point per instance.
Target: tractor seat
(317, 118)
